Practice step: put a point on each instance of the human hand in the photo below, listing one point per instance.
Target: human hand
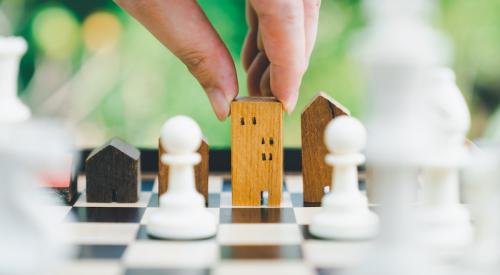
(287, 30)
(278, 46)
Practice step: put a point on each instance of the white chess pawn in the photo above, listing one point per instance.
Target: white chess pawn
(345, 213)
(11, 108)
(446, 223)
(182, 213)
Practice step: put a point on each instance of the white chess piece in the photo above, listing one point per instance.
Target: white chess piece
(30, 233)
(398, 47)
(446, 223)
(11, 108)
(482, 191)
(182, 213)
(345, 213)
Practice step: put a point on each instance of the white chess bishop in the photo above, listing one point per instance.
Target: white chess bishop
(12, 110)
(345, 213)
(182, 213)
(446, 222)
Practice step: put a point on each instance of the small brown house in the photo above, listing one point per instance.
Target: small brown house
(113, 173)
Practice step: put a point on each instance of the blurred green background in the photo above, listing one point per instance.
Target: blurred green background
(95, 67)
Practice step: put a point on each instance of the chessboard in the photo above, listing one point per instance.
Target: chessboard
(111, 238)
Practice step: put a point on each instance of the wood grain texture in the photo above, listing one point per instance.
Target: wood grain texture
(314, 119)
(256, 150)
(200, 171)
(113, 173)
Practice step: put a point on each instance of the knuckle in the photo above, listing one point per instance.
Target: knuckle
(196, 62)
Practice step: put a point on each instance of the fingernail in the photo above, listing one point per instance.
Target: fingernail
(219, 103)
(291, 102)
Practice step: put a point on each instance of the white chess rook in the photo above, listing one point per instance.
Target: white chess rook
(182, 213)
(345, 213)
(11, 108)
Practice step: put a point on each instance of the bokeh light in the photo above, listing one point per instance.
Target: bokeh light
(138, 79)
(101, 31)
(56, 32)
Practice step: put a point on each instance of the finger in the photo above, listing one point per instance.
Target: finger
(265, 83)
(255, 72)
(260, 43)
(250, 49)
(311, 17)
(174, 23)
(281, 24)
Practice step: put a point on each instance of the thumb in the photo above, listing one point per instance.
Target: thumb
(183, 28)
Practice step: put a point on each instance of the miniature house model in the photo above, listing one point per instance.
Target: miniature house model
(113, 173)
(256, 150)
(316, 174)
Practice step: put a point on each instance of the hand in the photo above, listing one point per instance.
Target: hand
(287, 30)
(278, 46)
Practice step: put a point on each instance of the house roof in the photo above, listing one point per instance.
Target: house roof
(324, 96)
(119, 145)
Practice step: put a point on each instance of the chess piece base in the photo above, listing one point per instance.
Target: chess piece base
(187, 225)
(446, 227)
(357, 226)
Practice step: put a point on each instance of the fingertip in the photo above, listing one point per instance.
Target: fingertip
(290, 102)
(220, 103)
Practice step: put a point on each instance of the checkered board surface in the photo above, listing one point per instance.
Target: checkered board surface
(111, 238)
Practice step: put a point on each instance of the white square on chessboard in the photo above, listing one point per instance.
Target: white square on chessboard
(262, 268)
(226, 201)
(147, 214)
(57, 212)
(143, 202)
(101, 233)
(171, 254)
(259, 234)
(294, 183)
(215, 184)
(85, 267)
(321, 253)
(155, 186)
(304, 215)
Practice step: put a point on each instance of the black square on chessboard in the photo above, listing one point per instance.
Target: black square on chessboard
(298, 201)
(260, 252)
(101, 251)
(166, 271)
(153, 201)
(106, 214)
(256, 215)
(147, 185)
(213, 200)
(142, 233)
(328, 271)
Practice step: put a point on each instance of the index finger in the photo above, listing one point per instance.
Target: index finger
(281, 25)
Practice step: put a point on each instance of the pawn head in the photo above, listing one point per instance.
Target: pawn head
(181, 135)
(345, 135)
